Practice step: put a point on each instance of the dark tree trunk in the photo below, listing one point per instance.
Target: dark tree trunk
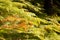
(48, 6)
(56, 2)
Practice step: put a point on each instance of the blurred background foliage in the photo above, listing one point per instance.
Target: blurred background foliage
(27, 20)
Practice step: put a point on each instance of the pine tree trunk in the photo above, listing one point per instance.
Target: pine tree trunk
(48, 6)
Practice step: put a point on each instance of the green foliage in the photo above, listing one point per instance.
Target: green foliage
(21, 19)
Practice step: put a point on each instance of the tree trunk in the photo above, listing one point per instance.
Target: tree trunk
(48, 6)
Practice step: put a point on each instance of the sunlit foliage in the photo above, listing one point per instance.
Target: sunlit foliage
(21, 19)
